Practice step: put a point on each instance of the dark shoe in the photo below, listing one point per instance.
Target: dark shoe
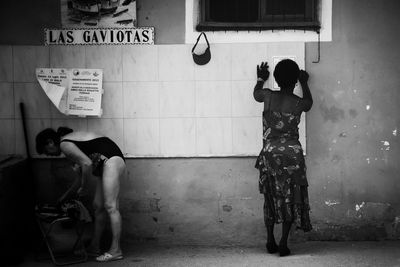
(272, 247)
(284, 251)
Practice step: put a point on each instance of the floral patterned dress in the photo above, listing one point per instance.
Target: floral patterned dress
(283, 172)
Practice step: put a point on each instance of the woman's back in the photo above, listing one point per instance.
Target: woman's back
(81, 136)
(286, 103)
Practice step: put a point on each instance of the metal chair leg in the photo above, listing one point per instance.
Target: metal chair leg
(79, 229)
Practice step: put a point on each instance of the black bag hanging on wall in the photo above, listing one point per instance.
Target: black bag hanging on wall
(204, 58)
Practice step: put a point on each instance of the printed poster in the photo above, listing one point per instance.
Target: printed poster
(73, 91)
(98, 13)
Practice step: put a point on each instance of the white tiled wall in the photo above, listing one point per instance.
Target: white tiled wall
(157, 101)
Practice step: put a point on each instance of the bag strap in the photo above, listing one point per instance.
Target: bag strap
(198, 38)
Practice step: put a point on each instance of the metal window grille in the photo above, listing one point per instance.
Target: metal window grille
(258, 14)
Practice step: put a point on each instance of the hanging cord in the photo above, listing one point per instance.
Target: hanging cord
(198, 38)
(319, 48)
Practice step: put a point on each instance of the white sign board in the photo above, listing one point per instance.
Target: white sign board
(100, 36)
(73, 91)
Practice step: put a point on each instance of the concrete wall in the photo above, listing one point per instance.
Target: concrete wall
(352, 146)
(353, 139)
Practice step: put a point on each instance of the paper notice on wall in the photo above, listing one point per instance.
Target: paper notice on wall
(73, 91)
(276, 59)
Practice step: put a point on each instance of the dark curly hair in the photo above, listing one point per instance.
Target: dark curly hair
(286, 73)
(43, 137)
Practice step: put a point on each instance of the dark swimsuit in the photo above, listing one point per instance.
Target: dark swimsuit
(98, 150)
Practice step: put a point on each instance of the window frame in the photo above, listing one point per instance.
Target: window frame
(264, 22)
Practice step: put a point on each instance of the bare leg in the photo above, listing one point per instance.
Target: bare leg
(113, 170)
(100, 218)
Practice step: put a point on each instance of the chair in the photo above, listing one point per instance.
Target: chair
(52, 222)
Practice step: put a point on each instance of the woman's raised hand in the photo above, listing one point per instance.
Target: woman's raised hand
(262, 71)
(303, 77)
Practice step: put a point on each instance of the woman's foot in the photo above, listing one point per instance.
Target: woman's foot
(272, 247)
(283, 250)
(107, 256)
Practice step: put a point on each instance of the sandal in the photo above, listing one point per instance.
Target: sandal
(108, 257)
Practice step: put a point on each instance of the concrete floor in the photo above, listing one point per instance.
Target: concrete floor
(380, 253)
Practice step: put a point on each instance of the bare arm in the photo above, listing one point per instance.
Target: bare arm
(259, 92)
(73, 188)
(262, 75)
(307, 97)
(73, 153)
(75, 185)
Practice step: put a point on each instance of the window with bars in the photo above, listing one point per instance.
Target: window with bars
(223, 15)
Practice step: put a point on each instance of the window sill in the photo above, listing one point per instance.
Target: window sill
(257, 26)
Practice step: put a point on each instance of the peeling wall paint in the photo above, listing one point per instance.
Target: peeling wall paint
(331, 202)
(359, 206)
(386, 145)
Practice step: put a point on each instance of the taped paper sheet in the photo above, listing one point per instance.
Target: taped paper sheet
(73, 91)
(276, 59)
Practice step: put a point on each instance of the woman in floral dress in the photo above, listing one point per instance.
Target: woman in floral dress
(281, 161)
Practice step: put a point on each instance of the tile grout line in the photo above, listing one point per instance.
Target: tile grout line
(123, 102)
(159, 98)
(231, 87)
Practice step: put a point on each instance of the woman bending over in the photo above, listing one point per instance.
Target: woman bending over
(100, 156)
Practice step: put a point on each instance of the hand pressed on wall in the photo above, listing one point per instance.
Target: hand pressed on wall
(262, 71)
(303, 77)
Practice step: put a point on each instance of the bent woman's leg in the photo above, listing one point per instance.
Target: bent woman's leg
(99, 218)
(113, 170)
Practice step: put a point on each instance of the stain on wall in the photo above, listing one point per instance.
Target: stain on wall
(331, 113)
